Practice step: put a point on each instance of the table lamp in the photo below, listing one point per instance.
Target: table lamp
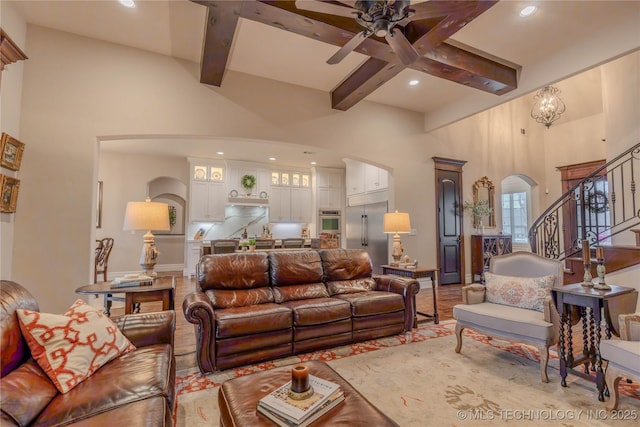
(397, 223)
(147, 216)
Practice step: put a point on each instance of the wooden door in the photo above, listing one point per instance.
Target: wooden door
(449, 220)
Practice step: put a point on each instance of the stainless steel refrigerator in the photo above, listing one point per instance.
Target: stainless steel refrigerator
(365, 231)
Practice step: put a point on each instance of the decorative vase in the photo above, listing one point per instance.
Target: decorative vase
(480, 227)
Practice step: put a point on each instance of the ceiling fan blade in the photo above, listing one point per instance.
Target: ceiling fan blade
(327, 8)
(401, 46)
(349, 47)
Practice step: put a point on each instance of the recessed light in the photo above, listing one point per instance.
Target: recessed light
(413, 82)
(220, 153)
(314, 163)
(128, 3)
(272, 158)
(528, 11)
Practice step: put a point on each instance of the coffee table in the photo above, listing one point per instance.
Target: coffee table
(238, 399)
(162, 289)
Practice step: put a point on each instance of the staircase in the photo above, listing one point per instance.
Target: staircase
(601, 206)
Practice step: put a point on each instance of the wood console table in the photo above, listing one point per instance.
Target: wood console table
(483, 247)
(162, 289)
(418, 273)
(591, 303)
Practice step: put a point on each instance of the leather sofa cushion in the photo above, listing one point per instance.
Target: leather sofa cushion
(297, 292)
(138, 414)
(373, 302)
(17, 397)
(516, 321)
(233, 271)
(13, 348)
(295, 268)
(351, 286)
(144, 373)
(221, 298)
(251, 319)
(345, 264)
(319, 311)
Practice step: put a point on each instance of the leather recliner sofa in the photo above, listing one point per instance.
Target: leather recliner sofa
(256, 306)
(134, 389)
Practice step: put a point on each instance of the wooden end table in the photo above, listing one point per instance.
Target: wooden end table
(162, 289)
(418, 273)
(591, 304)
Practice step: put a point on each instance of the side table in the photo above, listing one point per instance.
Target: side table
(162, 289)
(591, 303)
(418, 273)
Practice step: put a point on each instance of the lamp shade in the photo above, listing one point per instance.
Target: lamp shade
(397, 222)
(147, 215)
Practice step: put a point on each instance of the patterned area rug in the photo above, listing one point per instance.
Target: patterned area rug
(417, 379)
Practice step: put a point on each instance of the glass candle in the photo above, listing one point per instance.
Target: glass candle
(300, 378)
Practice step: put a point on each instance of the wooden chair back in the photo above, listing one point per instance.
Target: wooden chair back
(101, 263)
(265, 243)
(224, 246)
(293, 243)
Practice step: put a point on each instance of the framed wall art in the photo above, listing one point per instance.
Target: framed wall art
(99, 206)
(10, 152)
(8, 193)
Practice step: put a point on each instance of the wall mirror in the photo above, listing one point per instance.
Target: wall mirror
(483, 189)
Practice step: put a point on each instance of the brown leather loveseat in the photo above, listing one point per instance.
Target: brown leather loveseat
(135, 389)
(257, 306)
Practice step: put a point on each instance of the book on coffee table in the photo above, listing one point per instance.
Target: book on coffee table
(297, 411)
(332, 402)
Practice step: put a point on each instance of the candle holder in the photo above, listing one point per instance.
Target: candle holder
(587, 280)
(601, 285)
(300, 387)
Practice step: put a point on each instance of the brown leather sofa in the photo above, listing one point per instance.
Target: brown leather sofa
(258, 306)
(135, 389)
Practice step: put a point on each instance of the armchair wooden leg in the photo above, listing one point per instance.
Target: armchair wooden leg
(612, 379)
(544, 361)
(459, 329)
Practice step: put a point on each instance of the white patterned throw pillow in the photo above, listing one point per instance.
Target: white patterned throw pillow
(523, 292)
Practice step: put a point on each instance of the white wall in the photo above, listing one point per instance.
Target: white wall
(10, 107)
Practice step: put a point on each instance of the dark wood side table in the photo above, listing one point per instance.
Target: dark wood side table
(418, 273)
(162, 289)
(591, 304)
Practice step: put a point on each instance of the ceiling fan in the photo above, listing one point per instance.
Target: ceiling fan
(378, 17)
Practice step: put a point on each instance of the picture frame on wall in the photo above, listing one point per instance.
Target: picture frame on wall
(9, 188)
(10, 152)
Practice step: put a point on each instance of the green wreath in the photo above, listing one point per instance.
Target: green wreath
(248, 182)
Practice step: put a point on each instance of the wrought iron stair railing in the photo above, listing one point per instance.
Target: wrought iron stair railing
(600, 206)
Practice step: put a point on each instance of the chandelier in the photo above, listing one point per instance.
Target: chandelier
(548, 106)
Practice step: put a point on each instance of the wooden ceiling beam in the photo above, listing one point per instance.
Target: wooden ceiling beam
(220, 27)
(444, 60)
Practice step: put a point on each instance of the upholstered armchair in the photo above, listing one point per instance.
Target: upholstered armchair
(515, 303)
(623, 355)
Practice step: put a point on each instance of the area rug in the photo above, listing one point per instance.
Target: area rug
(417, 379)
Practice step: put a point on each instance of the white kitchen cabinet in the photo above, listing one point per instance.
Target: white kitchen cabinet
(375, 179)
(330, 189)
(290, 196)
(207, 201)
(355, 178)
(301, 204)
(280, 204)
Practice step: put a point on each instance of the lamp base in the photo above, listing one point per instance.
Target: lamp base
(397, 249)
(149, 255)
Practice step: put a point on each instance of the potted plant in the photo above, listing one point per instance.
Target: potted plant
(479, 210)
(252, 245)
(248, 182)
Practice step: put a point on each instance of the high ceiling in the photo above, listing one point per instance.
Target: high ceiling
(561, 39)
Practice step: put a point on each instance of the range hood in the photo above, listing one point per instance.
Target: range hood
(244, 200)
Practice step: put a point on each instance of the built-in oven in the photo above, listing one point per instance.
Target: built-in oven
(329, 221)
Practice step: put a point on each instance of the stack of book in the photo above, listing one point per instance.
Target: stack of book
(131, 280)
(280, 408)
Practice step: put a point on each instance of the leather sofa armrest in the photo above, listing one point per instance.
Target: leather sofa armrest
(629, 326)
(406, 287)
(148, 328)
(198, 310)
(473, 294)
